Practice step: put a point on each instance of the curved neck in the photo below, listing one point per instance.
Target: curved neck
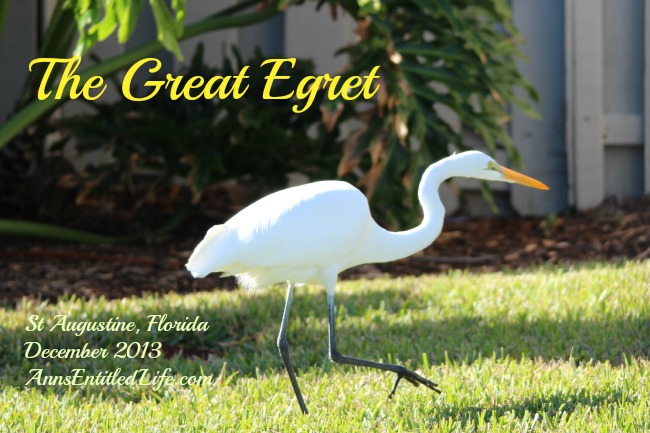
(387, 246)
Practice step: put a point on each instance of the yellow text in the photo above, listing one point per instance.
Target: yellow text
(68, 77)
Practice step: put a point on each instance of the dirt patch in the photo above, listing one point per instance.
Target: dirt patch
(48, 270)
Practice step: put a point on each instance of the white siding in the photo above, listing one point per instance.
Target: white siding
(541, 142)
(606, 121)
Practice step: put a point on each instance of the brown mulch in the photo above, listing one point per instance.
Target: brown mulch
(48, 270)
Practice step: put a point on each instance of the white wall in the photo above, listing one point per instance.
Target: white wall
(607, 124)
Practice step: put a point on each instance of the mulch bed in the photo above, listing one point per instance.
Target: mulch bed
(48, 270)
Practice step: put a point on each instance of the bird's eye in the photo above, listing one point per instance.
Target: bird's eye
(492, 166)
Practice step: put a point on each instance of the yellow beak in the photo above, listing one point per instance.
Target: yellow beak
(521, 179)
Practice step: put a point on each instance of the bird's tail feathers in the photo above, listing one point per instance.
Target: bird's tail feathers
(209, 253)
(247, 281)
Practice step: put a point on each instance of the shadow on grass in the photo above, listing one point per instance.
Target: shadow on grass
(246, 335)
(549, 406)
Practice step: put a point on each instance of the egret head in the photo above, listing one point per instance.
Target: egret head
(481, 166)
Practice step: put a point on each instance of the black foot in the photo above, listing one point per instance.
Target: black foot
(415, 379)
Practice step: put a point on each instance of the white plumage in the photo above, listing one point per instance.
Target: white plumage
(310, 233)
(285, 236)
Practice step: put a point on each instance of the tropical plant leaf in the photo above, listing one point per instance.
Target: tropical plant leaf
(127, 12)
(166, 26)
(179, 8)
(98, 19)
(442, 61)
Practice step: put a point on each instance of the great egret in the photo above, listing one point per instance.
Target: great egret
(310, 233)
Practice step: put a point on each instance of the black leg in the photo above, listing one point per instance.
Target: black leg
(283, 347)
(401, 371)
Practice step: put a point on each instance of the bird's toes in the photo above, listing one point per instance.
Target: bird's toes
(417, 380)
(432, 386)
(414, 379)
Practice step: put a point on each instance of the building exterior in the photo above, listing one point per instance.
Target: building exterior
(587, 58)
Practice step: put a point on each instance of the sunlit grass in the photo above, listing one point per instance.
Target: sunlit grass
(555, 349)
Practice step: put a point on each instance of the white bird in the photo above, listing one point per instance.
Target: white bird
(310, 233)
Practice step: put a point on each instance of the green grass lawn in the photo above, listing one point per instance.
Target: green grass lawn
(550, 349)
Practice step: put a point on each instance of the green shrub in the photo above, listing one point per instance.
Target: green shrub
(206, 141)
(434, 55)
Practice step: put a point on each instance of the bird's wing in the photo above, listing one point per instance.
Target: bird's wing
(316, 225)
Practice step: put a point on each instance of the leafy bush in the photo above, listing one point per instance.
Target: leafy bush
(435, 56)
(205, 141)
